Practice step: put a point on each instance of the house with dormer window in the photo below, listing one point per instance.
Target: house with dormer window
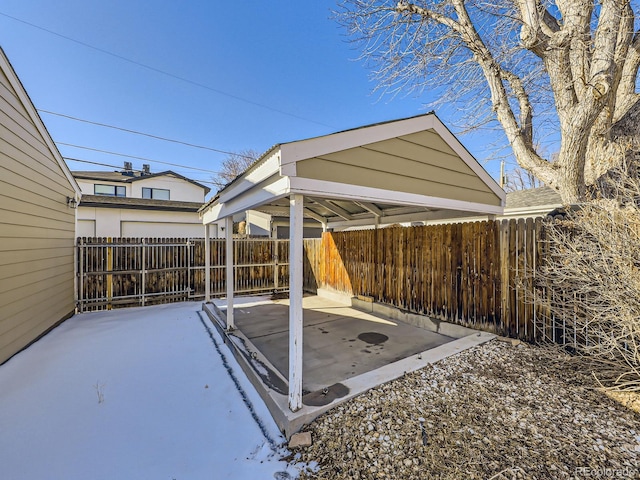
(138, 203)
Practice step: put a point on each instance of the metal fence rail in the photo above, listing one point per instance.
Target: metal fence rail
(124, 272)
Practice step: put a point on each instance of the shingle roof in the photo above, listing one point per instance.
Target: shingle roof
(533, 197)
(138, 203)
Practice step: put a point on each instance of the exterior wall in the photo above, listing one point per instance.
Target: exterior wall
(180, 190)
(258, 223)
(37, 228)
(124, 222)
(86, 228)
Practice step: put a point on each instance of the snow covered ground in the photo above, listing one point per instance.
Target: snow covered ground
(140, 393)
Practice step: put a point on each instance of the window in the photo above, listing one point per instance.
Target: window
(155, 193)
(110, 190)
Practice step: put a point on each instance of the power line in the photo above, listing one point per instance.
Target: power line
(157, 137)
(163, 72)
(136, 157)
(71, 159)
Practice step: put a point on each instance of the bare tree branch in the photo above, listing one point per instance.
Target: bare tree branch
(536, 67)
(234, 165)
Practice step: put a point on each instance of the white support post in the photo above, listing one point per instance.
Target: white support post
(207, 263)
(228, 234)
(295, 301)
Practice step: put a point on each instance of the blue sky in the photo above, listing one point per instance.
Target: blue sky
(273, 71)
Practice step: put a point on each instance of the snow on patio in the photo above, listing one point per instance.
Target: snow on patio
(134, 393)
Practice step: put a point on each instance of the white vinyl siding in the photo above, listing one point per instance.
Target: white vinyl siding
(158, 229)
(37, 228)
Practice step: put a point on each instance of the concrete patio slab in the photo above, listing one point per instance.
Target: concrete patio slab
(346, 351)
(339, 342)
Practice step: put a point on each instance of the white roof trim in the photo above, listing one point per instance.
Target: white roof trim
(275, 176)
(342, 191)
(315, 147)
(335, 142)
(15, 82)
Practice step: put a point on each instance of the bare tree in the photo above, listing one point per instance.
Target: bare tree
(520, 179)
(572, 63)
(233, 165)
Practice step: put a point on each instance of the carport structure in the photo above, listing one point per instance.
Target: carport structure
(406, 170)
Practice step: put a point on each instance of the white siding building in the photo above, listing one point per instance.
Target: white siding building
(132, 203)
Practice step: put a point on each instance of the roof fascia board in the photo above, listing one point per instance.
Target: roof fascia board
(274, 190)
(310, 148)
(125, 206)
(24, 98)
(171, 173)
(467, 158)
(533, 209)
(267, 169)
(341, 191)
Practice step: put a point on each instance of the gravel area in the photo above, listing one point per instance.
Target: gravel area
(496, 411)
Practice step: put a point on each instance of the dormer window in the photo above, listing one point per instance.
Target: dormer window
(155, 193)
(110, 190)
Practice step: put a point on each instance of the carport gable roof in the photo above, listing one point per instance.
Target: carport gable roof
(403, 170)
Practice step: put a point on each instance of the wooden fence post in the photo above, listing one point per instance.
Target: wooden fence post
(504, 276)
(80, 250)
(109, 276)
(276, 264)
(143, 273)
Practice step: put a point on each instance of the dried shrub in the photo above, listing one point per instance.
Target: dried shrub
(590, 281)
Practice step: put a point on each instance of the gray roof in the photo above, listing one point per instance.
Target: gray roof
(533, 197)
(132, 176)
(104, 201)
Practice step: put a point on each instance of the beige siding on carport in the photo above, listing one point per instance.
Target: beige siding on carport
(36, 230)
(420, 163)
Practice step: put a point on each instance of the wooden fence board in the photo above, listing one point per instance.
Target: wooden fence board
(468, 273)
(472, 273)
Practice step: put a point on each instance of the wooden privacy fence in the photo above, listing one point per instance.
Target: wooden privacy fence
(126, 272)
(474, 274)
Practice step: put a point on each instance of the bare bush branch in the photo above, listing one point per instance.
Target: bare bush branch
(593, 270)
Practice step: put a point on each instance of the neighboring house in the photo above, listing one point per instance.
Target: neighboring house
(534, 202)
(138, 203)
(37, 222)
(530, 203)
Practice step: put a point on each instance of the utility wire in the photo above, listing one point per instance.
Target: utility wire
(168, 74)
(137, 158)
(135, 132)
(71, 159)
